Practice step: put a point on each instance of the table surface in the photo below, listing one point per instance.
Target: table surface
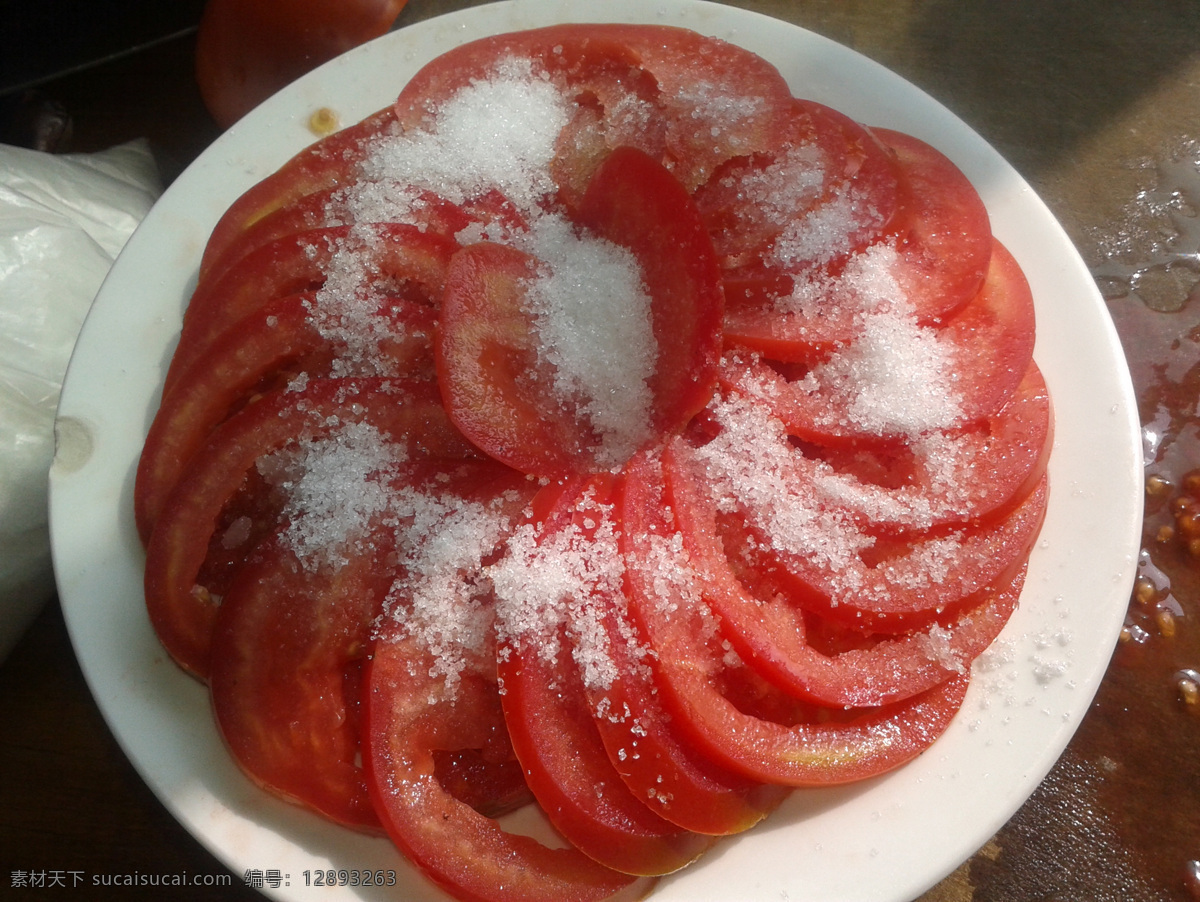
(1097, 104)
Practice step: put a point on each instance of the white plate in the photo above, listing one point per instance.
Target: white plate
(888, 839)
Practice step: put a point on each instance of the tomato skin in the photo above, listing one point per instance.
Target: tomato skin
(654, 759)
(407, 717)
(287, 651)
(246, 50)
(932, 214)
(688, 669)
(747, 228)
(556, 734)
(570, 774)
(900, 591)
(942, 229)
(949, 479)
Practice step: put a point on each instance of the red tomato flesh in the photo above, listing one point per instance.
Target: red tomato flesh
(182, 613)
(265, 351)
(287, 652)
(323, 165)
(497, 386)
(987, 348)
(398, 257)
(407, 719)
(689, 668)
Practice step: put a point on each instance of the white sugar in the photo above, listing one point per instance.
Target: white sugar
(752, 465)
(824, 233)
(592, 315)
(495, 133)
(718, 109)
(894, 377)
(440, 594)
(347, 310)
(937, 643)
(545, 584)
(334, 487)
(788, 186)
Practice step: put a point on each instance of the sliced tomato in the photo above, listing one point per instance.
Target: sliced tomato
(987, 348)
(498, 385)
(288, 648)
(570, 774)
(409, 718)
(182, 611)
(769, 631)
(942, 230)
(492, 784)
(906, 584)
(756, 733)
(827, 189)
(644, 745)
(720, 101)
(942, 480)
(632, 201)
(397, 259)
(554, 734)
(933, 217)
(329, 207)
(488, 368)
(328, 163)
(266, 350)
(690, 101)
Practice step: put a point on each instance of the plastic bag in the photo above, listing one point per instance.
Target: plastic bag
(63, 220)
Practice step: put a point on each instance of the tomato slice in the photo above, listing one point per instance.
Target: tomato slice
(288, 648)
(553, 730)
(835, 747)
(943, 480)
(492, 784)
(324, 164)
(408, 719)
(933, 217)
(570, 774)
(900, 584)
(942, 230)
(497, 381)
(633, 202)
(689, 100)
(720, 100)
(182, 612)
(266, 350)
(769, 632)
(828, 189)
(397, 259)
(645, 746)
(331, 207)
(977, 359)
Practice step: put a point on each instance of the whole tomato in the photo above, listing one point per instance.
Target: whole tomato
(246, 50)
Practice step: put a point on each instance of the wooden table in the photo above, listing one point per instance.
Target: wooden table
(1096, 103)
